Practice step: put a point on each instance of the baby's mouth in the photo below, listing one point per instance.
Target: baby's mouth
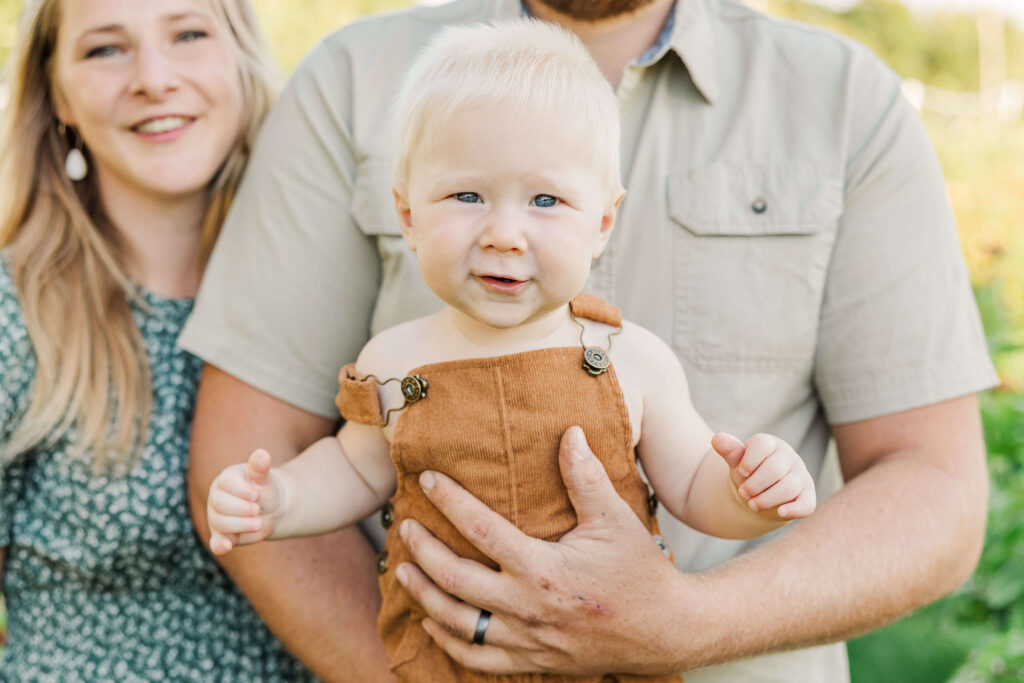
(498, 283)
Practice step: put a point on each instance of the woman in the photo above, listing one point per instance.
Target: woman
(128, 127)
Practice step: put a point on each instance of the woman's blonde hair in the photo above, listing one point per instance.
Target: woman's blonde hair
(523, 65)
(92, 381)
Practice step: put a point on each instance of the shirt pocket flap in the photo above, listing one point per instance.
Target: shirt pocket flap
(373, 206)
(784, 199)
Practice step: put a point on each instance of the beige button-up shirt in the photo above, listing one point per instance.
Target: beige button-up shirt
(785, 229)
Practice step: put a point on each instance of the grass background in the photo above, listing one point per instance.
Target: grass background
(976, 634)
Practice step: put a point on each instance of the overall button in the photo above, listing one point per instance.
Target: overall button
(759, 205)
(382, 562)
(387, 516)
(595, 360)
(414, 388)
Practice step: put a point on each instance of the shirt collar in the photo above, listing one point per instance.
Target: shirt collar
(693, 40)
(687, 31)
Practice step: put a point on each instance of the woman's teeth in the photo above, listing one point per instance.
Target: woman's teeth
(162, 125)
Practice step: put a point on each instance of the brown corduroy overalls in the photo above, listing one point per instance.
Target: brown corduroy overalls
(494, 425)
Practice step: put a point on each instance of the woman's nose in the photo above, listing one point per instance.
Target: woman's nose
(155, 72)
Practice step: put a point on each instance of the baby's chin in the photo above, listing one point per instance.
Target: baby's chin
(507, 316)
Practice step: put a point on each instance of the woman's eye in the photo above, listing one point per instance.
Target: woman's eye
(189, 36)
(102, 51)
(544, 201)
(468, 197)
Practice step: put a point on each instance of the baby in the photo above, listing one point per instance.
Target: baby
(506, 187)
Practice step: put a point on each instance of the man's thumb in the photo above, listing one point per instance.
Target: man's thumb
(591, 493)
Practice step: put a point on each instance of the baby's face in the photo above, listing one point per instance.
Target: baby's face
(505, 212)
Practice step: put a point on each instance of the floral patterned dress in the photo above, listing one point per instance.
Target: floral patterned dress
(105, 579)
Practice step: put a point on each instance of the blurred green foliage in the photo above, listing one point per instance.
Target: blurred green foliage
(940, 49)
(976, 634)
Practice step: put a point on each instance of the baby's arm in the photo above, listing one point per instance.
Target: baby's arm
(713, 482)
(335, 482)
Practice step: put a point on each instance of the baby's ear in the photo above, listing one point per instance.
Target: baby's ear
(607, 223)
(400, 191)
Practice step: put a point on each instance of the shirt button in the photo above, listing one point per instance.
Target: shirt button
(759, 205)
(382, 562)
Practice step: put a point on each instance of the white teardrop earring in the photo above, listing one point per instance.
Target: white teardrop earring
(75, 165)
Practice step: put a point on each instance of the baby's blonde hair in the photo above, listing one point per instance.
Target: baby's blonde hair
(523, 64)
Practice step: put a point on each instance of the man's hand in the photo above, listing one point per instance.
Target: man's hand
(606, 578)
(906, 530)
(768, 475)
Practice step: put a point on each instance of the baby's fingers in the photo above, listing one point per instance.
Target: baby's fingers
(228, 525)
(222, 543)
(729, 447)
(257, 470)
(768, 473)
(233, 481)
(783, 491)
(759, 448)
(801, 507)
(230, 504)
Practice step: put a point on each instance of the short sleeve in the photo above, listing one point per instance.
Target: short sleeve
(899, 327)
(289, 291)
(17, 365)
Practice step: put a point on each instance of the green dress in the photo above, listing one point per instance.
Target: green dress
(105, 578)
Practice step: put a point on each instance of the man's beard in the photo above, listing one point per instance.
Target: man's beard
(594, 10)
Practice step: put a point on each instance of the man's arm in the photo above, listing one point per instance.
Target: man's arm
(907, 529)
(318, 595)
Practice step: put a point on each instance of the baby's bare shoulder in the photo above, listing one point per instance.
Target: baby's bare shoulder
(393, 351)
(641, 344)
(646, 358)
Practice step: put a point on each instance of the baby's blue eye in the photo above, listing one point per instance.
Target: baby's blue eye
(468, 197)
(544, 201)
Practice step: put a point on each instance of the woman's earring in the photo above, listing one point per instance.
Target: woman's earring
(75, 165)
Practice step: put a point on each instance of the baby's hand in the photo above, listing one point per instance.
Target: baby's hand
(244, 503)
(768, 474)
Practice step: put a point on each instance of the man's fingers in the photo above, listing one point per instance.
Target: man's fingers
(479, 657)
(492, 534)
(456, 616)
(590, 491)
(460, 577)
(729, 447)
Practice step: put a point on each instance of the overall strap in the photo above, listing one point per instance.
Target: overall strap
(357, 398)
(595, 308)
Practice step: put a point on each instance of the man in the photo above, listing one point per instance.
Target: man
(785, 229)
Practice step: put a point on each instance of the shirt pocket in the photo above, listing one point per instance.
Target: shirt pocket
(750, 259)
(373, 207)
(402, 294)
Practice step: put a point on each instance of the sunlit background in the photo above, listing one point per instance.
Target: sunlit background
(963, 65)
